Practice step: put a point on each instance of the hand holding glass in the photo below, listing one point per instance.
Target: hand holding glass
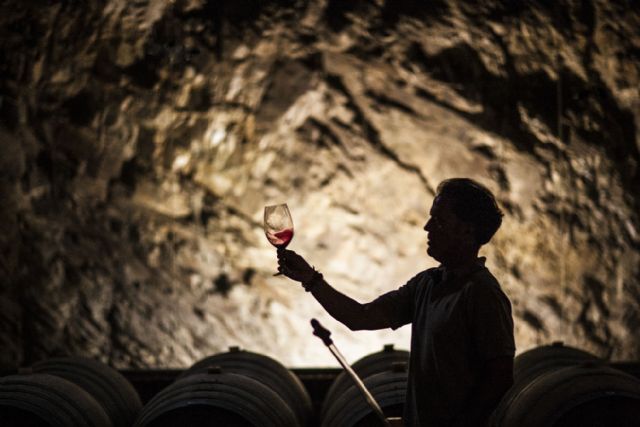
(278, 226)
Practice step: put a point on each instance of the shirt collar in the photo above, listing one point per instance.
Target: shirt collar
(456, 273)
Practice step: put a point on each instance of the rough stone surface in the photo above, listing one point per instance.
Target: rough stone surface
(140, 141)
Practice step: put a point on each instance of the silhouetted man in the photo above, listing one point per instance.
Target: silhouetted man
(462, 344)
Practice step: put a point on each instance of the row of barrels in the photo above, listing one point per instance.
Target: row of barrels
(554, 386)
(233, 389)
(562, 386)
(68, 392)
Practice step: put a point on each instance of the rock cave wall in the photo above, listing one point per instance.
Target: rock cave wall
(139, 142)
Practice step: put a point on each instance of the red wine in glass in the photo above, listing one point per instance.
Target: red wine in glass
(278, 225)
(280, 239)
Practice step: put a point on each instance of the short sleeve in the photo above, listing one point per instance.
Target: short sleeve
(398, 305)
(491, 321)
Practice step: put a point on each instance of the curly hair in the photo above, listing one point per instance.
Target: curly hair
(473, 203)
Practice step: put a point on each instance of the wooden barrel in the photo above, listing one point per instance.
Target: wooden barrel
(371, 364)
(47, 400)
(538, 361)
(350, 409)
(265, 370)
(586, 395)
(107, 386)
(217, 399)
(534, 362)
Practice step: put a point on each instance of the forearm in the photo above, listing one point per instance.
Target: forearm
(352, 314)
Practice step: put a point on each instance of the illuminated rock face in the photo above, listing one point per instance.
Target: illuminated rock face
(140, 142)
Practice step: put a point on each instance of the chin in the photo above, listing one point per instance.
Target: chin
(433, 254)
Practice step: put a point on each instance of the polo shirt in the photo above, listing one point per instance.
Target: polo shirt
(459, 320)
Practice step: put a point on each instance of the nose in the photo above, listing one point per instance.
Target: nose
(427, 225)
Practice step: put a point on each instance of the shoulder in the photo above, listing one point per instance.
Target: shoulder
(420, 281)
(485, 287)
(483, 279)
(426, 276)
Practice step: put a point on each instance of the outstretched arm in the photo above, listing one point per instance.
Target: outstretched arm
(352, 314)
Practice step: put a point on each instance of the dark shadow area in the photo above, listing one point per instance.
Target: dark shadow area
(609, 127)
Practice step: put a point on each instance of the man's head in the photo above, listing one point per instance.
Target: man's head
(464, 216)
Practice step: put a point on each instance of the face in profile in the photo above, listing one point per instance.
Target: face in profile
(447, 235)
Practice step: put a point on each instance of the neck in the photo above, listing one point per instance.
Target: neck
(462, 260)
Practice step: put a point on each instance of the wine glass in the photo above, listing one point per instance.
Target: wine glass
(278, 226)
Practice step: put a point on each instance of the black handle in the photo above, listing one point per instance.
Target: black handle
(321, 332)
